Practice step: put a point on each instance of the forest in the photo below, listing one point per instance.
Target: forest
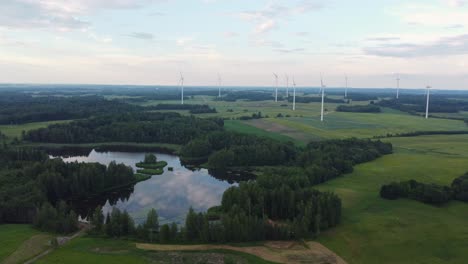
(417, 103)
(143, 127)
(30, 178)
(17, 108)
(193, 108)
(370, 108)
(427, 193)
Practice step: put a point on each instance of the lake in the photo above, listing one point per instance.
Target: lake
(171, 193)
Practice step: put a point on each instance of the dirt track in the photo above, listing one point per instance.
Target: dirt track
(280, 252)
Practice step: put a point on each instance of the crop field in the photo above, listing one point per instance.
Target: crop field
(374, 230)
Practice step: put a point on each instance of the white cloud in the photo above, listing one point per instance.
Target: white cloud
(265, 26)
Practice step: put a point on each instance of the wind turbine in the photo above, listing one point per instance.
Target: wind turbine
(346, 87)
(427, 103)
(181, 88)
(287, 86)
(322, 86)
(294, 95)
(398, 86)
(219, 85)
(276, 89)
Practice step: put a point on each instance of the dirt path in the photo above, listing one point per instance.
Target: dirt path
(280, 252)
(61, 241)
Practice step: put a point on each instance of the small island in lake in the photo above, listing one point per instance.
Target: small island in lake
(151, 165)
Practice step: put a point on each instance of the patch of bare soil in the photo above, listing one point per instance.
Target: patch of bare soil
(280, 129)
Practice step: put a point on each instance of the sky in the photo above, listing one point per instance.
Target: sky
(149, 42)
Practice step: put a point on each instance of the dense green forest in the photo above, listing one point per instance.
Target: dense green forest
(17, 108)
(427, 193)
(29, 178)
(129, 127)
(193, 108)
(370, 108)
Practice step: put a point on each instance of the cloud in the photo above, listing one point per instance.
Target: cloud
(270, 16)
(142, 35)
(230, 34)
(58, 14)
(290, 51)
(445, 46)
(455, 3)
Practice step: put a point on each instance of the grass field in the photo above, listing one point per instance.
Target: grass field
(374, 230)
(94, 250)
(303, 125)
(20, 243)
(12, 131)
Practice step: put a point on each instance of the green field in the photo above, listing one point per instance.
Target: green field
(303, 125)
(94, 250)
(374, 230)
(20, 243)
(12, 131)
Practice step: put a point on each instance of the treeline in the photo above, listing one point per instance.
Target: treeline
(241, 222)
(248, 96)
(170, 128)
(361, 97)
(425, 133)
(316, 99)
(427, 193)
(370, 108)
(193, 108)
(417, 104)
(18, 109)
(227, 149)
(60, 220)
(28, 179)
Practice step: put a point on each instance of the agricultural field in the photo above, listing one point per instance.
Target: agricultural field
(303, 125)
(374, 230)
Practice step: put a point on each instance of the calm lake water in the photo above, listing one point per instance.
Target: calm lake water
(171, 193)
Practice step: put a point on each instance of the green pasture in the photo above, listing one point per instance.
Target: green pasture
(374, 230)
(12, 131)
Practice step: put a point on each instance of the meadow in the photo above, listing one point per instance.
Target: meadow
(14, 131)
(374, 230)
(21, 242)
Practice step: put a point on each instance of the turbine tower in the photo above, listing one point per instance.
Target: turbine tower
(181, 88)
(219, 85)
(346, 87)
(287, 86)
(322, 86)
(398, 86)
(427, 103)
(276, 89)
(294, 95)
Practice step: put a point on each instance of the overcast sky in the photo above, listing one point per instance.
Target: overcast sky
(151, 41)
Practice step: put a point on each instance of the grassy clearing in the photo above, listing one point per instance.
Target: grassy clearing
(12, 131)
(21, 242)
(374, 230)
(95, 250)
(157, 165)
(151, 171)
(246, 128)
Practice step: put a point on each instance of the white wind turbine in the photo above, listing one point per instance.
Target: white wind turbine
(181, 88)
(294, 95)
(346, 87)
(322, 86)
(219, 85)
(398, 86)
(427, 103)
(276, 89)
(287, 85)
